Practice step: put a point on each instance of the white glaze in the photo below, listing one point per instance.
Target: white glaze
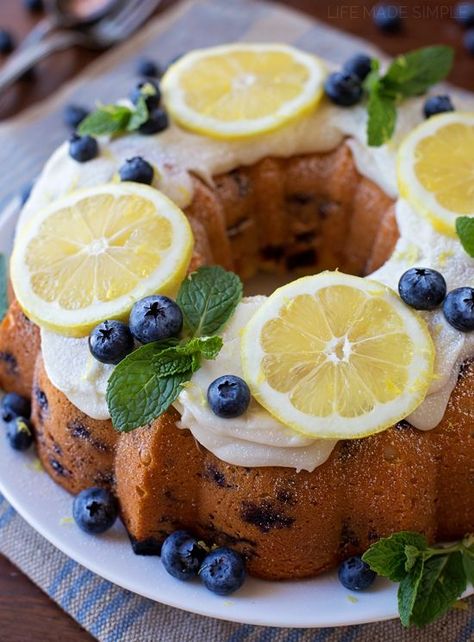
(256, 439)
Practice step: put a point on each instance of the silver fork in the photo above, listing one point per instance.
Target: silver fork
(103, 34)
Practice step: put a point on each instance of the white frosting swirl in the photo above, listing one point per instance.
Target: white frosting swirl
(257, 439)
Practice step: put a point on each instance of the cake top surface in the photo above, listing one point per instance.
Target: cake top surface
(176, 154)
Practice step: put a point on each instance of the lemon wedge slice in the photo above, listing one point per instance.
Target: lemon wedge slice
(90, 256)
(336, 356)
(240, 90)
(436, 169)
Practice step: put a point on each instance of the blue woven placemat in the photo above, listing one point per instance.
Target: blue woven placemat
(109, 613)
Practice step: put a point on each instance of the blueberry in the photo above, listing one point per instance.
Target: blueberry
(148, 68)
(422, 288)
(437, 105)
(343, 89)
(181, 555)
(73, 115)
(464, 14)
(14, 405)
(387, 18)
(228, 396)
(359, 65)
(95, 510)
(157, 122)
(458, 309)
(137, 170)
(155, 318)
(33, 5)
(355, 574)
(110, 342)
(150, 91)
(7, 44)
(26, 192)
(469, 41)
(223, 571)
(20, 433)
(83, 148)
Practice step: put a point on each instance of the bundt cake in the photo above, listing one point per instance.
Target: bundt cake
(307, 197)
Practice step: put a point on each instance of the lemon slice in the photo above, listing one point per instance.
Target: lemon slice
(241, 90)
(436, 169)
(90, 256)
(337, 357)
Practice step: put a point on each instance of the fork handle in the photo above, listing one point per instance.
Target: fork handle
(26, 58)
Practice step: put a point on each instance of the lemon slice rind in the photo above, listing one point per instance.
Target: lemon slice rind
(423, 200)
(334, 426)
(165, 279)
(305, 101)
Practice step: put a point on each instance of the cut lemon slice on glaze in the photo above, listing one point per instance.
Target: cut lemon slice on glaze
(90, 256)
(336, 356)
(241, 90)
(436, 169)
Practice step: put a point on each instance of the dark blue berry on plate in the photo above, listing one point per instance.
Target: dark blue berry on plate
(223, 571)
(422, 288)
(464, 14)
(469, 41)
(228, 396)
(150, 91)
(73, 115)
(437, 105)
(155, 318)
(148, 68)
(7, 44)
(458, 309)
(14, 405)
(137, 170)
(20, 433)
(157, 122)
(95, 510)
(33, 5)
(359, 65)
(343, 89)
(111, 341)
(182, 555)
(387, 18)
(355, 574)
(83, 148)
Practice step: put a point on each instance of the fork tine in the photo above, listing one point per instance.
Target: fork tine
(134, 13)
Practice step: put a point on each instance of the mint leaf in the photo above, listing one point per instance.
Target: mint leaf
(468, 564)
(412, 74)
(107, 119)
(138, 116)
(408, 592)
(3, 286)
(382, 117)
(207, 299)
(412, 553)
(442, 583)
(168, 363)
(137, 393)
(209, 347)
(388, 556)
(465, 231)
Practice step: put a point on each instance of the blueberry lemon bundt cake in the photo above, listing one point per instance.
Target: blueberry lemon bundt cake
(297, 428)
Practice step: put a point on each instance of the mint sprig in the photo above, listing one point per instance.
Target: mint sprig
(465, 232)
(410, 74)
(145, 384)
(3, 286)
(118, 119)
(431, 578)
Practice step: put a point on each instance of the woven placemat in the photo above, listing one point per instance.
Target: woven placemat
(109, 613)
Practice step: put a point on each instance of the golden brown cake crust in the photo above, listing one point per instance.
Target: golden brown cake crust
(306, 214)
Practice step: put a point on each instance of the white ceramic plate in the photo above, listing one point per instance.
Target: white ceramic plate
(320, 602)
